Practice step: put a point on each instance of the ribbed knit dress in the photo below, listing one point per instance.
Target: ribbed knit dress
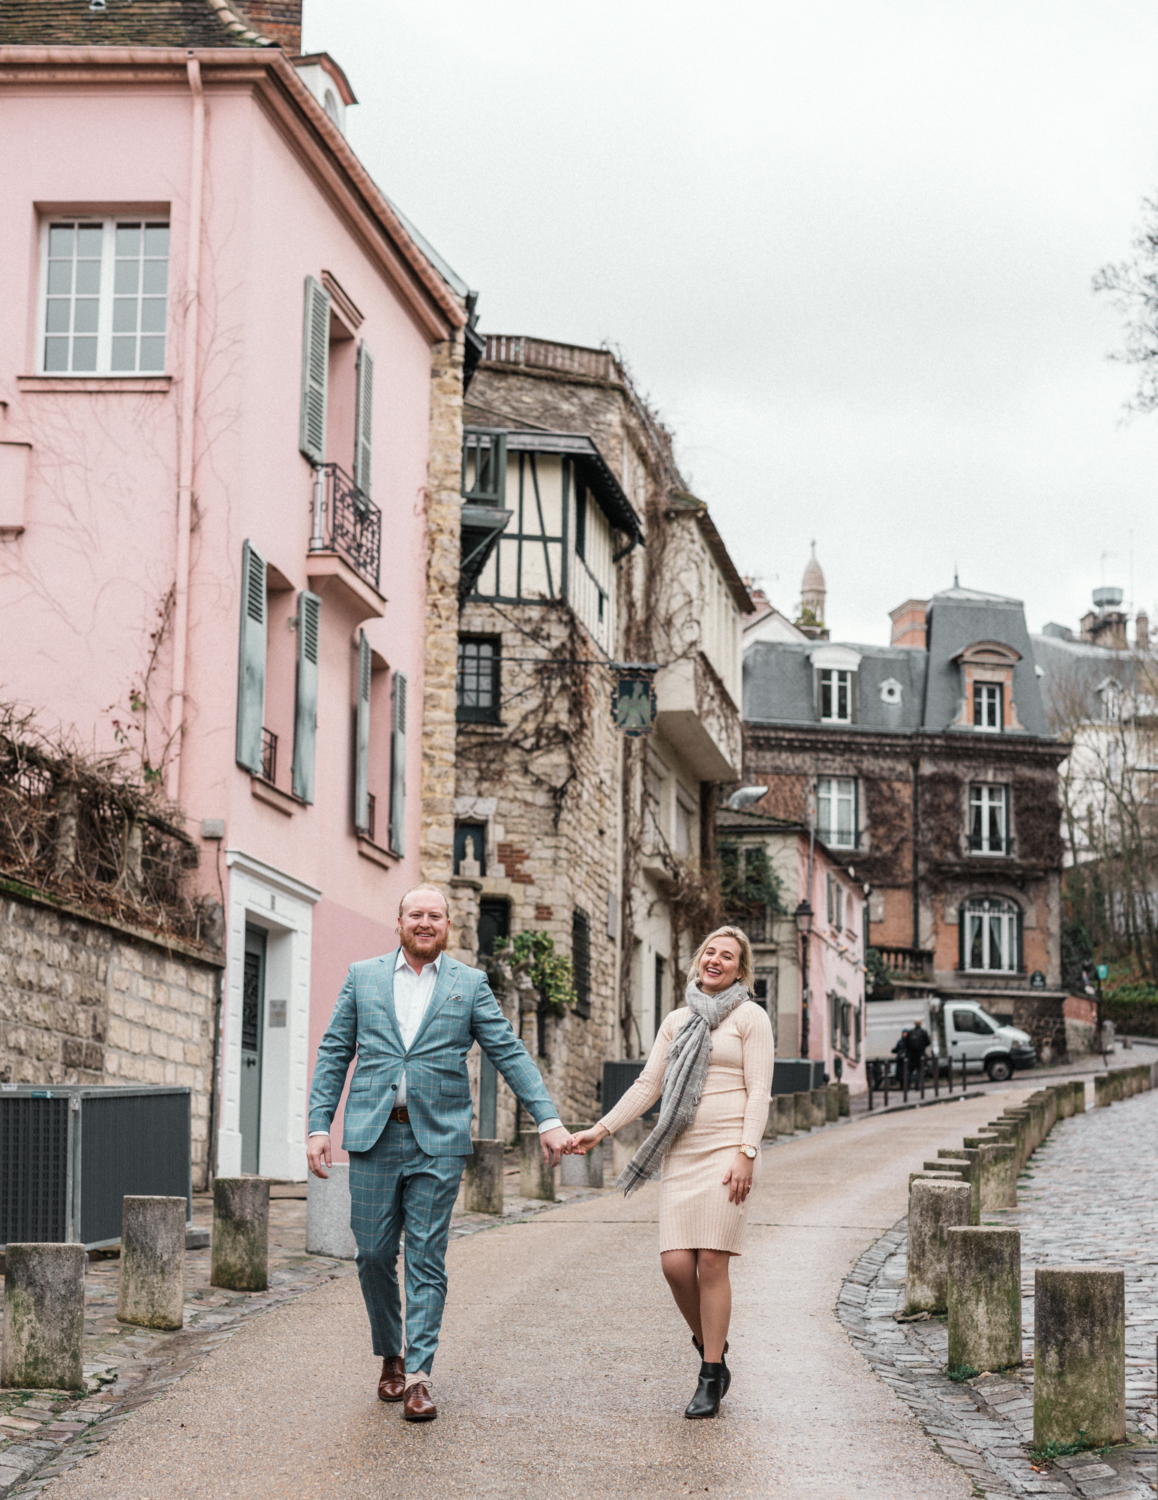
(694, 1212)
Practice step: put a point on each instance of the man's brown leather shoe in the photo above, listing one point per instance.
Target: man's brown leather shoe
(418, 1406)
(392, 1381)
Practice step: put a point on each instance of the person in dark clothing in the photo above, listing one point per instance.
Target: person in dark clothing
(917, 1041)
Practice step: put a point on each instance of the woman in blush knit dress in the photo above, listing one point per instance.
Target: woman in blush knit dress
(712, 1063)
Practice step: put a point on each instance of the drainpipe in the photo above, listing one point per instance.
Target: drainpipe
(916, 872)
(185, 434)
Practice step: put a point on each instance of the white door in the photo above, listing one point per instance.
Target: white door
(968, 1036)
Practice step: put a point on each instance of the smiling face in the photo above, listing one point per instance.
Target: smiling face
(424, 924)
(719, 965)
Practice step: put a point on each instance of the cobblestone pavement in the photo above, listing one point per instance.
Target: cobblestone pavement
(1089, 1194)
(44, 1434)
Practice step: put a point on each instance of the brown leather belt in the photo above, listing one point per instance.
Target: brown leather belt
(401, 1115)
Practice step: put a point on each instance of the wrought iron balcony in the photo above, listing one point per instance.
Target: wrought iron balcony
(269, 756)
(346, 522)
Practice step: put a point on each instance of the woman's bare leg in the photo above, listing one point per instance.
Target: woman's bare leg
(679, 1268)
(714, 1303)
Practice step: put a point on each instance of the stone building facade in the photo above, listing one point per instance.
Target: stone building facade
(87, 1000)
(583, 550)
(930, 771)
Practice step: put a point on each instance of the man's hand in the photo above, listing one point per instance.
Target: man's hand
(587, 1140)
(317, 1152)
(555, 1143)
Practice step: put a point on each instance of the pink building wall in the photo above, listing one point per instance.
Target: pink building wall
(84, 584)
(835, 962)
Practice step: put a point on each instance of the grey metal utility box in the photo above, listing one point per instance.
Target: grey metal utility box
(69, 1153)
(796, 1075)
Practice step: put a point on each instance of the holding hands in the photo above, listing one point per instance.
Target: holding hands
(587, 1140)
(556, 1143)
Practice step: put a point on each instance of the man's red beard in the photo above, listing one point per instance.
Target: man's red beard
(425, 947)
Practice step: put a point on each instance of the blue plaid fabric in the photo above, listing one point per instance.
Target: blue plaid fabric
(462, 1010)
(396, 1185)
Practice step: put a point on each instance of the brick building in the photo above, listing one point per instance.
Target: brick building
(929, 769)
(580, 548)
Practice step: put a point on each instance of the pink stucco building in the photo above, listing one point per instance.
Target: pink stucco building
(216, 353)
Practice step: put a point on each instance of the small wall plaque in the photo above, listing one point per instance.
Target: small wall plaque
(277, 1012)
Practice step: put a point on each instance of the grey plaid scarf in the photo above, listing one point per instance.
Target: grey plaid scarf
(683, 1079)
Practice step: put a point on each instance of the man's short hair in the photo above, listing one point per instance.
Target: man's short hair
(406, 895)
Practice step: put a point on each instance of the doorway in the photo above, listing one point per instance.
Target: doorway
(252, 1034)
(494, 927)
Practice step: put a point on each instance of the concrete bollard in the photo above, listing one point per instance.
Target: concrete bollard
(483, 1179)
(1079, 1096)
(1065, 1101)
(1115, 1087)
(328, 1230)
(845, 1103)
(785, 1107)
(1079, 1355)
(832, 1103)
(934, 1208)
(582, 1171)
(1103, 1094)
(1020, 1121)
(536, 1178)
(239, 1259)
(152, 1284)
(991, 1190)
(43, 1317)
(968, 1161)
(802, 1112)
(770, 1127)
(819, 1100)
(984, 1298)
(626, 1142)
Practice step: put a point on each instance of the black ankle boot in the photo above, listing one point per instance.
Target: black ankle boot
(709, 1392)
(700, 1347)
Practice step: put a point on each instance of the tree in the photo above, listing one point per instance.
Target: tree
(1132, 285)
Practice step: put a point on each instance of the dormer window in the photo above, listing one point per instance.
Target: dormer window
(987, 706)
(835, 671)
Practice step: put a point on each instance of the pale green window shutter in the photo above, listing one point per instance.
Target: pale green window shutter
(398, 767)
(306, 698)
(251, 660)
(364, 419)
(362, 741)
(315, 365)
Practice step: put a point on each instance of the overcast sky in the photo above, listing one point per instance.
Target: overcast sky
(845, 248)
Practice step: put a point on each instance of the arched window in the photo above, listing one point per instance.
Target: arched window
(990, 935)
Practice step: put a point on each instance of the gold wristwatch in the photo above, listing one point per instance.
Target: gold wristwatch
(750, 1152)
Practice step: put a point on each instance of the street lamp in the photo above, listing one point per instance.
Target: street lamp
(803, 919)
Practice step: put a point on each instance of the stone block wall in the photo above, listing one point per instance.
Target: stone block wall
(85, 1001)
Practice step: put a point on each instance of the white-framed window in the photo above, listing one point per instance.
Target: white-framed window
(988, 819)
(987, 706)
(685, 816)
(990, 935)
(835, 898)
(836, 811)
(105, 294)
(835, 696)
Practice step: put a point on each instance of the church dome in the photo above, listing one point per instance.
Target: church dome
(813, 580)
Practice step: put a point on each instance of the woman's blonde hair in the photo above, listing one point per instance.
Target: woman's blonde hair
(740, 938)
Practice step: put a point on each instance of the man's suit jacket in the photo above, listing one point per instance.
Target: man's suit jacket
(462, 1010)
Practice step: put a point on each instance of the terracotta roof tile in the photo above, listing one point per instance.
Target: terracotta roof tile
(122, 23)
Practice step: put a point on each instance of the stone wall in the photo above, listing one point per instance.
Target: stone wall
(85, 1001)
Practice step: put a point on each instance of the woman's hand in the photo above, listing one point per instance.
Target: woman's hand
(738, 1178)
(587, 1140)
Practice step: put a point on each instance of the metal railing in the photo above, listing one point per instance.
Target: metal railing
(269, 756)
(346, 522)
(880, 1076)
(371, 804)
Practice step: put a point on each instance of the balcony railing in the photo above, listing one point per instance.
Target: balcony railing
(908, 963)
(346, 522)
(269, 756)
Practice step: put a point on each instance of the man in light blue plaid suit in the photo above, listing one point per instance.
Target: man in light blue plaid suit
(411, 1018)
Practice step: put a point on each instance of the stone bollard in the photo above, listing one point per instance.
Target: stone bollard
(152, 1284)
(819, 1098)
(1004, 1176)
(845, 1105)
(328, 1230)
(831, 1103)
(582, 1171)
(934, 1207)
(802, 1112)
(1103, 1095)
(1079, 1096)
(484, 1178)
(984, 1298)
(969, 1164)
(1115, 1086)
(239, 1259)
(43, 1317)
(1019, 1119)
(785, 1107)
(536, 1178)
(1065, 1101)
(770, 1127)
(1079, 1355)
(990, 1190)
(626, 1142)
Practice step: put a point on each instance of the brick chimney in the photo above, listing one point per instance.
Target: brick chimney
(910, 624)
(1142, 631)
(280, 20)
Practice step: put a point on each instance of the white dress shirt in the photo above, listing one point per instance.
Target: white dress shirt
(412, 994)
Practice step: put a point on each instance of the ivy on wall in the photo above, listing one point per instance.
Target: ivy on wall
(549, 971)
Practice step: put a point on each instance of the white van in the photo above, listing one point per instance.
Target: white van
(959, 1029)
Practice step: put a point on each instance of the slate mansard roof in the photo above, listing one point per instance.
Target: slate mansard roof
(779, 687)
(127, 23)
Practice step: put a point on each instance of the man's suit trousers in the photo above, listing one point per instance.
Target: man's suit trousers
(395, 1186)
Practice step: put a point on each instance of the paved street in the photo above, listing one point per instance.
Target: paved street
(564, 1367)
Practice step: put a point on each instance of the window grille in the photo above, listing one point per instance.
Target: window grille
(581, 960)
(478, 679)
